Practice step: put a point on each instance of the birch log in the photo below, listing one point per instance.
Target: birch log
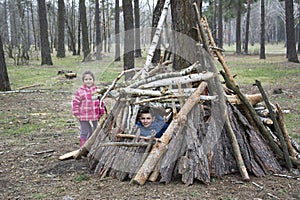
(154, 41)
(159, 148)
(184, 79)
(183, 72)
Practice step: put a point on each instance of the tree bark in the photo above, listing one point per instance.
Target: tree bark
(238, 27)
(117, 31)
(45, 48)
(128, 38)
(4, 80)
(98, 31)
(137, 31)
(262, 54)
(290, 32)
(156, 16)
(247, 26)
(277, 128)
(61, 29)
(220, 24)
(84, 30)
(183, 21)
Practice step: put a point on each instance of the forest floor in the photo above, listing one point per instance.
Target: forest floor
(37, 127)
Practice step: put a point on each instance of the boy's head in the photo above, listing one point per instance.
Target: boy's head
(146, 116)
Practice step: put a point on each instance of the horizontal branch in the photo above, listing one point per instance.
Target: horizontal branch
(183, 80)
(125, 144)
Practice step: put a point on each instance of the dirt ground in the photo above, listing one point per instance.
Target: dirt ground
(30, 169)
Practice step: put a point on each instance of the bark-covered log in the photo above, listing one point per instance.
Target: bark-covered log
(236, 149)
(258, 158)
(285, 132)
(277, 128)
(254, 115)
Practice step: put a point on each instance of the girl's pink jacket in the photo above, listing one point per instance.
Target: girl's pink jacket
(84, 107)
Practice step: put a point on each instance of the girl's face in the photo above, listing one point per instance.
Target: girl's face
(146, 119)
(88, 80)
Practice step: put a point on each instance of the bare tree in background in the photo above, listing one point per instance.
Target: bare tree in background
(238, 47)
(247, 27)
(290, 32)
(98, 31)
(220, 24)
(4, 80)
(84, 30)
(129, 37)
(137, 33)
(45, 48)
(156, 15)
(61, 52)
(117, 31)
(262, 54)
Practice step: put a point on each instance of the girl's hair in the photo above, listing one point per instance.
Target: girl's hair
(87, 73)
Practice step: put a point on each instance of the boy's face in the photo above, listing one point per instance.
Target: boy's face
(88, 80)
(146, 119)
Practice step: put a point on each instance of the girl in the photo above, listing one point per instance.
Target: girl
(86, 109)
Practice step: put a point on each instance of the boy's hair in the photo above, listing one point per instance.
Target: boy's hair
(87, 73)
(145, 109)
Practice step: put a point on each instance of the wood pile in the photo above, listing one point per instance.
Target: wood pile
(214, 128)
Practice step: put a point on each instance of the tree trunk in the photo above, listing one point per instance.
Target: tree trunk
(298, 26)
(183, 20)
(84, 30)
(220, 25)
(290, 32)
(129, 37)
(5, 24)
(104, 26)
(98, 31)
(137, 33)
(23, 57)
(238, 27)
(61, 29)
(262, 54)
(4, 80)
(214, 20)
(156, 15)
(247, 26)
(117, 31)
(79, 36)
(45, 48)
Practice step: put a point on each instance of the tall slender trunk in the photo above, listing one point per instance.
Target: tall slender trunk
(4, 80)
(117, 31)
(220, 24)
(247, 26)
(238, 28)
(262, 54)
(129, 37)
(290, 32)
(45, 48)
(138, 51)
(98, 31)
